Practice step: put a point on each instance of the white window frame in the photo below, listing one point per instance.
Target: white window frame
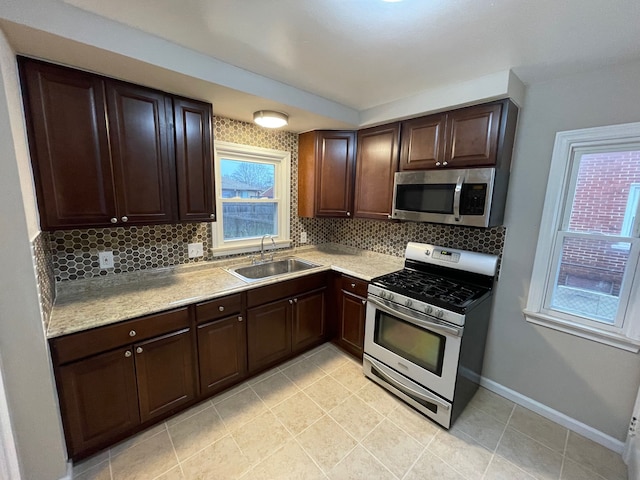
(281, 160)
(568, 146)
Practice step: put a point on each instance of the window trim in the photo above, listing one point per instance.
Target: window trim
(567, 145)
(282, 194)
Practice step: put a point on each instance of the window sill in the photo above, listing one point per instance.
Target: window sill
(233, 249)
(600, 336)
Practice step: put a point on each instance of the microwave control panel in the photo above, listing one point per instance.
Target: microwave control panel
(473, 198)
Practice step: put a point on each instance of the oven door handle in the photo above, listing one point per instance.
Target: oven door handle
(418, 322)
(388, 376)
(456, 198)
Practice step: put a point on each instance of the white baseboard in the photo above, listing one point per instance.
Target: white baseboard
(69, 475)
(554, 415)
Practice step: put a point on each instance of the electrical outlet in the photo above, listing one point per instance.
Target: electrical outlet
(106, 259)
(195, 250)
(303, 237)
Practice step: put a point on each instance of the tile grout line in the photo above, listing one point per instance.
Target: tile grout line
(564, 453)
(495, 451)
(175, 452)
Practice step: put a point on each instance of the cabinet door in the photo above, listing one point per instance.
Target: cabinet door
(335, 152)
(222, 351)
(352, 318)
(268, 334)
(472, 136)
(65, 111)
(308, 320)
(194, 160)
(422, 144)
(98, 399)
(143, 160)
(165, 373)
(376, 166)
(326, 161)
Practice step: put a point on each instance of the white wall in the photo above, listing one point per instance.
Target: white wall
(26, 369)
(588, 381)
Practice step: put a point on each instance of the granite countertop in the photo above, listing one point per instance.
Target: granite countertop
(84, 304)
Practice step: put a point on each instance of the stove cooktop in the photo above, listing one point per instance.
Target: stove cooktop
(432, 288)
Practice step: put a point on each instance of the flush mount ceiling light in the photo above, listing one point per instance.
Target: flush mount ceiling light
(270, 119)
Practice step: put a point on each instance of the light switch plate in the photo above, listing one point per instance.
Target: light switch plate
(195, 250)
(106, 259)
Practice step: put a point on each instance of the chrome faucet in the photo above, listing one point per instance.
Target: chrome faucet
(273, 242)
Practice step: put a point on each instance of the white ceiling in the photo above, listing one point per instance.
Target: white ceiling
(356, 54)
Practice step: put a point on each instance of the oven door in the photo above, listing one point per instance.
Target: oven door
(416, 345)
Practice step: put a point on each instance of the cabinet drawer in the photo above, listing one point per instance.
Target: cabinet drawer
(218, 308)
(353, 285)
(276, 291)
(79, 345)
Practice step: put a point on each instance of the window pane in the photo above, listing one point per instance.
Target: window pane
(606, 195)
(589, 278)
(242, 179)
(249, 220)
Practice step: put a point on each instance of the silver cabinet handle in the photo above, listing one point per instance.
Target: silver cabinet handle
(364, 302)
(353, 285)
(127, 353)
(221, 308)
(348, 214)
(295, 300)
(132, 333)
(240, 319)
(389, 217)
(114, 220)
(456, 197)
(139, 350)
(445, 163)
(437, 164)
(291, 301)
(212, 216)
(125, 219)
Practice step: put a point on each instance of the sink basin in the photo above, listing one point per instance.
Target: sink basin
(251, 273)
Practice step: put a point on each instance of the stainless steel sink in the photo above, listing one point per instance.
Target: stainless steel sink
(252, 273)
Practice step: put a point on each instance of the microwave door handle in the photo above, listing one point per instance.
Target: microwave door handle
(416, 319)
(456, 198)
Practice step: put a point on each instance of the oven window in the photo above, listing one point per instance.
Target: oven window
(419, 346)
(431, 198)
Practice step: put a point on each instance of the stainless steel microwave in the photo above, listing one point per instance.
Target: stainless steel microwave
(473, 196)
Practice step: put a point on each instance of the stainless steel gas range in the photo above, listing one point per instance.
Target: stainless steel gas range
(426, 327)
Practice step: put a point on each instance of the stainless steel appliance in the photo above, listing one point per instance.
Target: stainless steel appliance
(426, 327)
(474, 197)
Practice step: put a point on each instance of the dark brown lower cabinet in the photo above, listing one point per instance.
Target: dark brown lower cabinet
(309, 320)
(106, 395)
(98, 399)
(165, 373)
(222, 353)
(352, 307)
(268, 333)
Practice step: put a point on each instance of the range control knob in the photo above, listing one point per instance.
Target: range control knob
(408, 303)
(390, 296)
(383, 295)
(439, 314)
(428, 309)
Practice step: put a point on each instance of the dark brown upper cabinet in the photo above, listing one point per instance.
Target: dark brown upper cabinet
(194, 160)
(66, 117)
(141, 153)
(376, 165)
(325, 173)
(478, 136)
(104, 151)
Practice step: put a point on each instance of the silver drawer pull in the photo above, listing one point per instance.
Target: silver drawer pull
(364, 302)
(125, 219)
(132, 333)
(221, 308)
(353, 285)
(240, 319)
(139, 350)
(212, 216)
(127, 353)
(114, 220)
(291, 301)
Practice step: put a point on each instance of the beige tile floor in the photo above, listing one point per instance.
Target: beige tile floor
(317, 417)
